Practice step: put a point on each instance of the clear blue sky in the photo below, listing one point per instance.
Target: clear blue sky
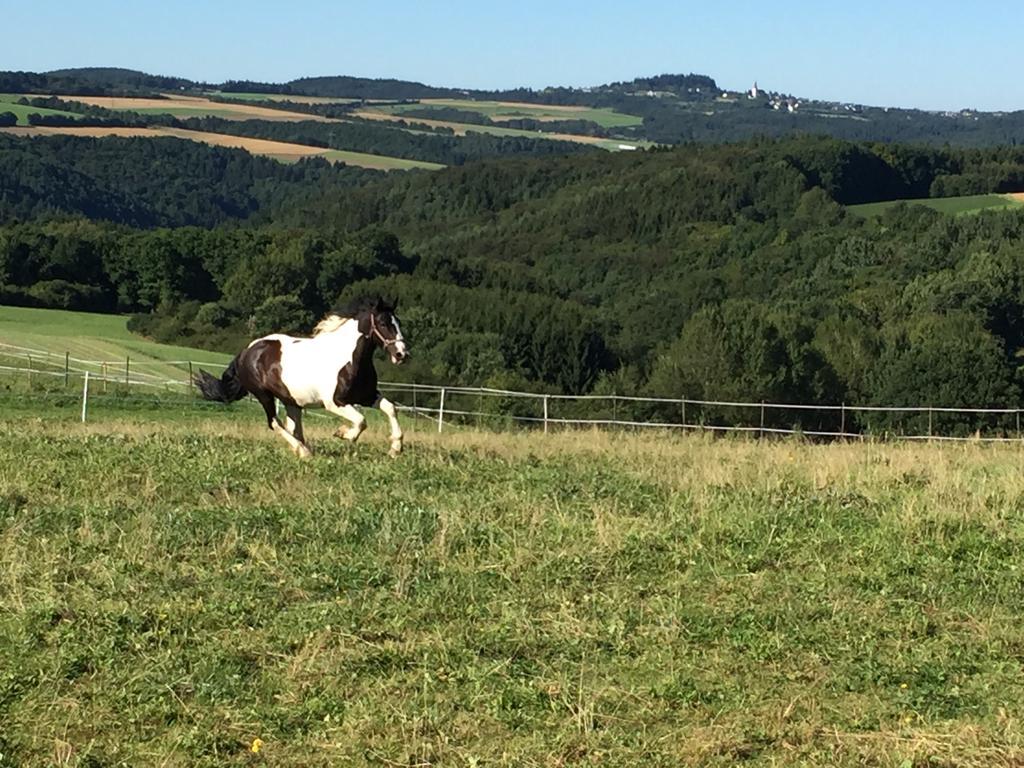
(939, 54)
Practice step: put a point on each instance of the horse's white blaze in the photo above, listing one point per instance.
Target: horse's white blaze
(398, 348)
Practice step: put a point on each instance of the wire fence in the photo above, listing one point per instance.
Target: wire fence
(154, 384)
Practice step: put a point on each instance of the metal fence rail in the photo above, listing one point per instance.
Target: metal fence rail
(459, 405)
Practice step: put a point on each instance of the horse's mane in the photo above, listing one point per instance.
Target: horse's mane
(336, 318)
(330, 323)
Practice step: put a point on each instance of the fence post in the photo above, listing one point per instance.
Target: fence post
(29, 371)
(67, 369)
(546, 414)
(189, 383)
(682, 404)
(760, 432)
(127, 366)
(842, 421)
(415, 410)
(929, 421)
(85, 395)
(1018, 423)
(103, 373)
(440, 413)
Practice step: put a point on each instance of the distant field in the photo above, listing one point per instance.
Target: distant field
(89, 336)
(953, 205)
(510, 110)
(193, 106)
(8, 103)
(379, 162)
(282, 97)
(461, 129)
(279, 150)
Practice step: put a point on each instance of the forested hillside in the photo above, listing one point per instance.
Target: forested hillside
(725, 272)
(671, 108)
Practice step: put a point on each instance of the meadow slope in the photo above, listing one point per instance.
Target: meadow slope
(186, 594)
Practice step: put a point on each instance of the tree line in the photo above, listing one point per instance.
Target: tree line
(716, 272)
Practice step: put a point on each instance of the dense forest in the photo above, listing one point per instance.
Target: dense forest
(148, 182)
(730, 271)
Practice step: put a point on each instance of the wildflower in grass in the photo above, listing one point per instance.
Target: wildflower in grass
(256, 746)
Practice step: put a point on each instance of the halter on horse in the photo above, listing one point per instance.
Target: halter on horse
(333, 369)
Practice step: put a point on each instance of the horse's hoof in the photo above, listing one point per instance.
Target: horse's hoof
(303, 452)
(396, 451)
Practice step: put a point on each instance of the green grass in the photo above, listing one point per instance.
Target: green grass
(952, 205)
(9, 104)
(89, 336)
(379, 161)
(612, 145)
(211, 111)
(495, 110)
(494, 130)
(281, 97)
(171, 592)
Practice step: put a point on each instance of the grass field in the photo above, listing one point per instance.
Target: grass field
(461, 129)
(193, 106)
(953, 205)
(8, 103)
(89, 336)
(177, 589)
(281, 97)
(190, 594)
(506, 110)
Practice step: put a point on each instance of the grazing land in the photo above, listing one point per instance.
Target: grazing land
(281, 97)
(954, 205)
(192, 106)
(92, 337)
(508, 110)
(187, 593)
(461, 129)
(9, 103)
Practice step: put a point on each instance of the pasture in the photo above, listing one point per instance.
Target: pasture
(192, 106)
(188, 593)
(461, 129)
(965, 204)
(508, 110)
(9, 103)
(298, 99)
(88, 336)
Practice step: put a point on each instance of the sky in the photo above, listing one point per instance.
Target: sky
(939, 54)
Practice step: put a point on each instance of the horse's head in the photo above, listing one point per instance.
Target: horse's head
(382, 325)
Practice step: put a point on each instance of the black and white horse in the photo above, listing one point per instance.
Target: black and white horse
(333, 369)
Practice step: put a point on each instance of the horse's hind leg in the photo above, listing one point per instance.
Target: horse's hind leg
(270, 409)
(293, 424)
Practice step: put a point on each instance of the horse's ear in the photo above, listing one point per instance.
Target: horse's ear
(378, 304)
(394, 304)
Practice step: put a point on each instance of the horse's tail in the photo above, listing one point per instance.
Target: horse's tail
(226, 389)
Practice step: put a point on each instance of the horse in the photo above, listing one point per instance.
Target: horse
(333, 368)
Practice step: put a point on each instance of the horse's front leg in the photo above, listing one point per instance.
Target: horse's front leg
(396, 430)
(349, 413)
